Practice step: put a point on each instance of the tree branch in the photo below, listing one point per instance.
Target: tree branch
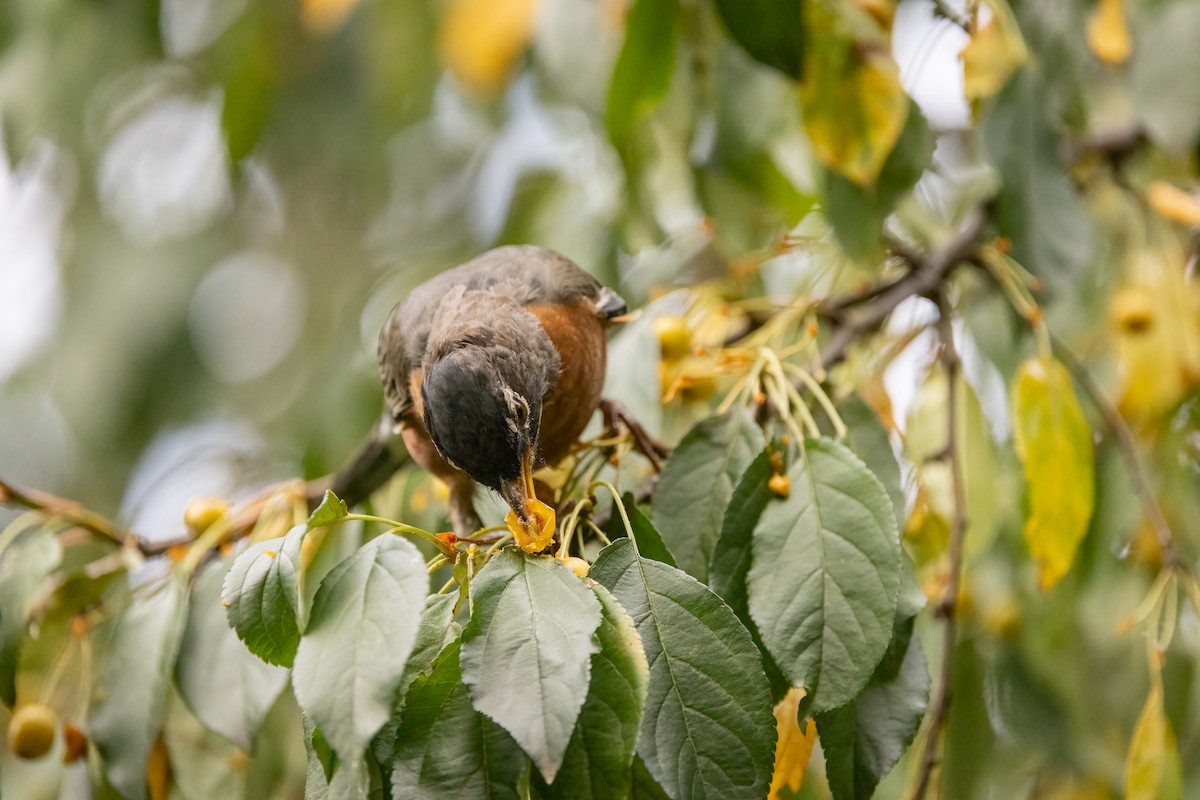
(928, 272)
(947, 607)
(67, 510)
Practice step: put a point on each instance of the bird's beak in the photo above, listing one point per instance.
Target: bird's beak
(519, 493)
(531, 521)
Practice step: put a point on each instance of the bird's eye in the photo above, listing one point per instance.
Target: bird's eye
(521, 411)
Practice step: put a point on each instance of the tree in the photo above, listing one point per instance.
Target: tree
(930, 391)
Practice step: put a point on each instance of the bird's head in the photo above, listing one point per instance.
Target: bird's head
(482, 398)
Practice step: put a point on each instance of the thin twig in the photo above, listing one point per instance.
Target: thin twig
(67, 510)
(1127, 445)
(948, 606)
(928, 272)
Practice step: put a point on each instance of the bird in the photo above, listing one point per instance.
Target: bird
(491, 370)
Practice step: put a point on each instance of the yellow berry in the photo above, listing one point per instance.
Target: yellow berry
(780, 484)
(698, 387)
(202, 512)
(674, 337)
(1133, 310)
(578, 566)
(538, 536)
(31, 731)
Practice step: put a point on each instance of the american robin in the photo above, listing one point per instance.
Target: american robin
(494, 368)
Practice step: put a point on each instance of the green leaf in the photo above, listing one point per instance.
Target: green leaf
(263, 600)
(649, 540)
(1037, 207)
(643, 70)
(437, 630)
(445, 748)
(364, 624)
(331, 510)
(643, 786)
(731, 557)
(598, 758)
(320, 760)
(697, 482)
(864, 739)
(204, 765)
(867, 437)
(1165, 49)
(771, 31)
(526, 653)
(133, 682)
(709, 729)
(227, 687)
(826, 574)
(24, 566)
(856, 212)
(1054, 442)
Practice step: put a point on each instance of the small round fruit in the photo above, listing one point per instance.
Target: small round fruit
(31, 731)
(674, 336)
(697, 388)
(202, 512)
(577, 565)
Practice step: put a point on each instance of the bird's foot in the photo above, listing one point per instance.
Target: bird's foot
(617, 416)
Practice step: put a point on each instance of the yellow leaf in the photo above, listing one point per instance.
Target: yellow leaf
(1108, 33)
(852, 102)
(995, 51)
(1054, 443)
(1173, 203)
(325, 16)
(1156, 320)
(481, 40)
(795, 746)
(1152, 768)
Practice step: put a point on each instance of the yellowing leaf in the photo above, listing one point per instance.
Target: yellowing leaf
(995, 51)
(1152, 769)
(1108, 33)
(1173, 203)
(481, 40)
(1055, 445)
(852, 102)
(325, 16)
(1156, 317)
(795, 746)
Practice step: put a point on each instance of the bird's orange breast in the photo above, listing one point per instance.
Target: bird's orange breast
(578, 336)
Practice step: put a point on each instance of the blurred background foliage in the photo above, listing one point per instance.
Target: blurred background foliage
(208, 206)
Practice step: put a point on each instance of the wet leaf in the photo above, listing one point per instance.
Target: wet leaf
(795, 745)
(526, 652)
(825, 574)
(1108, 32)
(445, 748)
(364, 623)
(851, 99)
(227, 688)
(262, 598)
(996, 50)
(598, 759)
(133, 680)
(697, 482)
(1054, 442)
(708, 730)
